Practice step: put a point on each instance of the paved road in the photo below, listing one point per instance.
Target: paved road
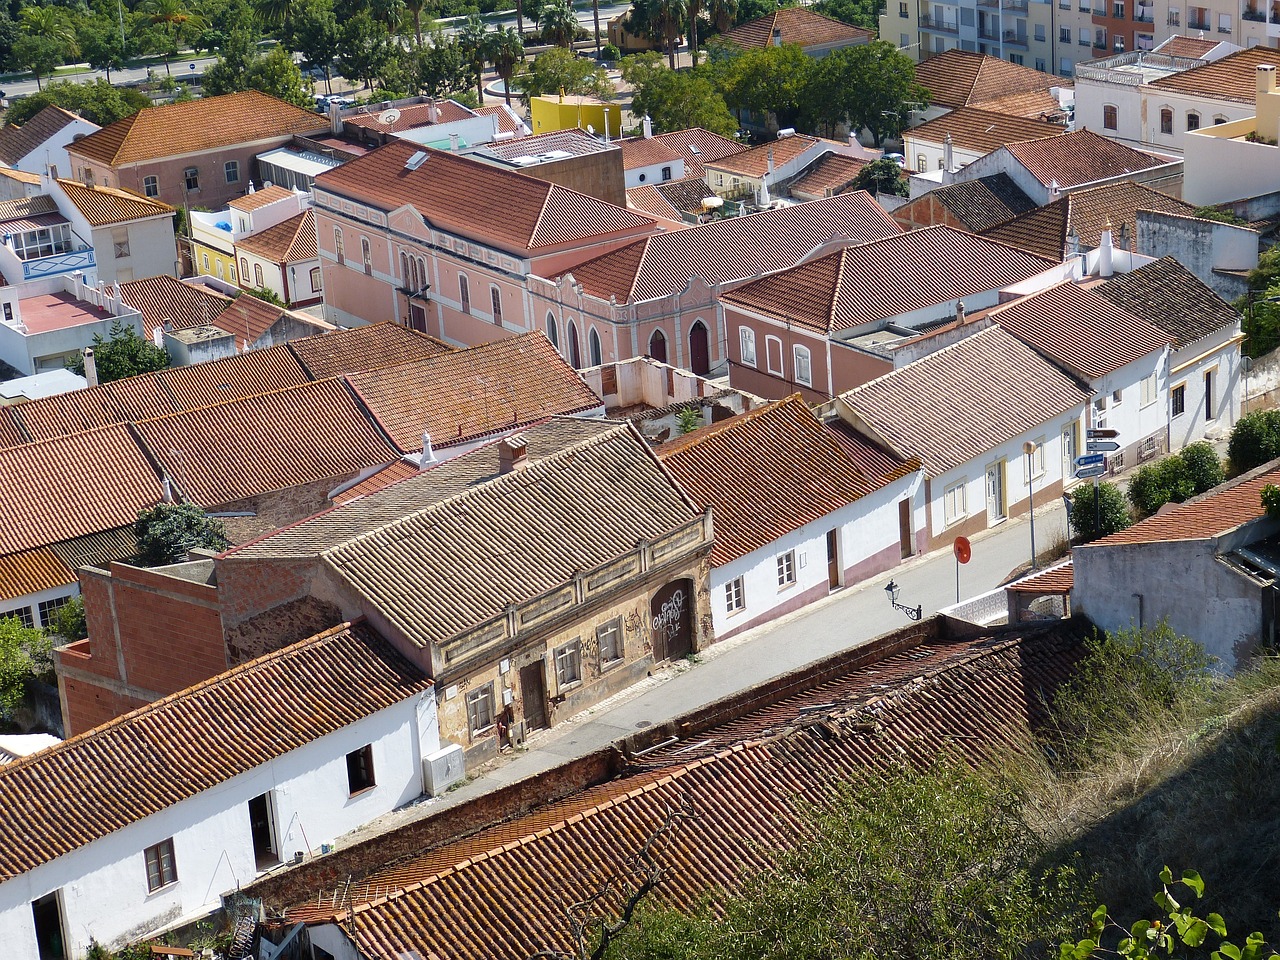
(845, 619)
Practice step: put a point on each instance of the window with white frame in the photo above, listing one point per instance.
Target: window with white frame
(804, 367)
(735, 596)
(1036, 458)
(954, 507)
(747, 340)
(569, 663)
(1148, 390)
(773, 355)
(609, 642)
(480, 709)
(786, 569)
(191, 178)
(258, 280)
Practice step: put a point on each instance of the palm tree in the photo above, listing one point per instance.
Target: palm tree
(722, 13)
(595, 13)
(520, 19)
(174, 20)
(668, 18)
(557, 22)
(695, 8)
(473, 38)
(506, 52)
(51, 22)
(273, 13)
(415, 10)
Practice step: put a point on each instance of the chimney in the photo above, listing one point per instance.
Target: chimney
(335, 118)
(1266, 79)
(1267, 102)
(960, 317)
(948, 154)
(1123, 236)
(428, 457)
(1054, 190)
(90, 367)
(169, 495)
(1104, 252)
(513, 454)
(453, 143)
(771, 161)
(647, 126)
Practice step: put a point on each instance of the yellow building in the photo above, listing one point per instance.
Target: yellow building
(567, 113)
(209, 261)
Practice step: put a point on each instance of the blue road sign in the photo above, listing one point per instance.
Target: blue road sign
(1084, 473)
(1089, 460)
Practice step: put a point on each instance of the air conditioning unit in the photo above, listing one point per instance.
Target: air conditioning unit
(443, 769)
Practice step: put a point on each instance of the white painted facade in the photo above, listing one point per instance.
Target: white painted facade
(103, 887)
(868, 526)
(1254, 168)
(33, 352)
(304, 277)
(1210, 376)
(997, 479)
(1118, 403)
(52, 157)
(14, 606)
(655, 173)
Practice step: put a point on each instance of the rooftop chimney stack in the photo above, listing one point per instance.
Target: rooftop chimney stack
(948, 154)
(90, 367)
(1266, 78)
(1267, 102)
(647, 126)
(454, 141)
(513, 454)
(960, 317)
(1105, 269)
(428, 457)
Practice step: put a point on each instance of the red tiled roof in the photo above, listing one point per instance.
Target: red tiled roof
(764, 474)
(747, 781)
(1056, 579)
(69, 486)
(1083, 331)
(107, 205)
(648, 198)
(698, 147)
(247, 318)
(798, 25)
(299, 435)
(410, 117)
(977, 204)
(508, 122)
(30, 572)
(384, 344)
(1172, 298)
(965, 399)
(755, 161)
(1080, 157)
(146, 761)
(19, 140)
(257, 199)
(290, 241)
(1193, 48)
(830, 173)
(640, 152)
(469, 393)
(166, 301)
(196, 125)
(1209, 515)
(899, 274)
(392, 473)
(1234, 77)
(724, 251)
(958, 78)
(457, 194)
(11, 432)
(981, 131)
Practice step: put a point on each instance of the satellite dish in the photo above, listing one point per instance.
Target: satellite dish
(389, 117)
(591, 130)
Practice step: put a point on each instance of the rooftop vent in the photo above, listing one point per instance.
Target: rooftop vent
(525, 161)
(418, 159)
(786, 132)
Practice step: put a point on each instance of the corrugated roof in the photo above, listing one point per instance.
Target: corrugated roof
(1234, 77)
(107, 205)
(97, 549)
(18, 141)
(287, 438)
(30, 572)
(982, 131)
(69, 486)
(798, 25)
(457, 194)
(958, 78)
(764, 474)
(1080, 157)
(469, 393)
(1084, 332)
(195, 125)
(872, 281)
(92, 785)
(384, 344)
(723, 251)
(1171, 297)
(966, 399)
(290, 241)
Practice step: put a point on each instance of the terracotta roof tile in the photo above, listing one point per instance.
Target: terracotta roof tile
(69, 486)
(798, 25)
(377, 345)
(257, 199)
(575, 141)
(21, 176)
(465, 394)
(639, 152)
(29, 208)
(166, 301)
(958, 78)
(456, 193)
(747, 782)
(1171, 297)
(290, 241)
(1193, 48)
(1118, 203)
(829, 174)
(1086, 333)
(755, 161)
(982, 131)
(1040, 230)
(243, 375)
(977, 204)
(764, 474)
(205, 124)
(1056, 579)
(11, 431)
(875, 461)
(411, 117)
(724, 251)
(1080, 157)
(247, 318)
(107, 778)
(508, 120)
(648, 198)
(698, 147)
(106, 205)
(872, 281)
(30, 572)
(1032, 104)
(299, 435)
(18, 141)
(402, 469)
(1007, 388)
(1234, 77)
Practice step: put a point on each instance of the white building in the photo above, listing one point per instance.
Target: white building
(145, 822)
(44, 322)
(40, 145)
(801, 509)
(1233, 161)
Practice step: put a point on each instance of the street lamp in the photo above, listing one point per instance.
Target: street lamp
(891, 591)
(1029, 448)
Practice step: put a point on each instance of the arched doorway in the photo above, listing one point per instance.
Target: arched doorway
(658, 346)
(699, 349)
(553, 331)
(571, 345)
(593, 348)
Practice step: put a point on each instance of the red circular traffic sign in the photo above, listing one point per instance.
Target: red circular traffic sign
(962, 549)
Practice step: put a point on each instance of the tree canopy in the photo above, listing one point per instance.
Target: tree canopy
(867, 86)
(559, 69)
(169, 531)
(882, 176)
(98, 102)
(676, 99)
(24, 652)
(122, 354)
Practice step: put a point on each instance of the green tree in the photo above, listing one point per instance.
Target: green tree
(176, 24)
(1155, 484)
(276, 74)
(168, 532)
(506, 52)
(859, 13)
(100, 43)
(274, 14)
(558, 69)
(69, 621)
(1203, 466)
(24, 653)
(557, 22)
(440, 66)
(676, 99)
(721, 13)
(313, 32)
(414, 9)
(768, 80)
(122, 354)
(1093, 518)
(230, 73)
(473, 39)
(1255, 439)
(364, 47)
(38, 54)
(98, 102)
(866, 86)
(882, 176)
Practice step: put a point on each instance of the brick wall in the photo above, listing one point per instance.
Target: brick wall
(86, 705)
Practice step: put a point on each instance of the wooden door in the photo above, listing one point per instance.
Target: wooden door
(533, 694)
(417, 317)
(699, 349)
(906, 535)
(833, 559)
(671, 620)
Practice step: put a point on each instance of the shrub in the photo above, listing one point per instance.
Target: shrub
(69, 622)
(1165, 481)
(1255, 439)
(1271, 500)
(610, 53)
(1111, 509)
(167, 532)
(1203, 466)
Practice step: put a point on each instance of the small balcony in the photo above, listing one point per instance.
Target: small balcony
(989, 33)
(1014, 6)
(1254, 14)
(1014, 39)
(939, 26)
(1198, 25)
(67, 262)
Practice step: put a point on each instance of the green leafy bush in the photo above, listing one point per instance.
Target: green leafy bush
(1089, 521)
(69, 622)
(168, 531)
(1203, 466)
(1175, 478)
(24, 652)
(1271, 501)
(1255, 439)
(610, 53)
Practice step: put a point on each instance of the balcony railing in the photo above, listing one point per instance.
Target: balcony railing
(58, 263)
(987, 34)
(1015, 6)
(1254, 14)
(1198, 25)
(943, 26)
(1017, 39)
(1173, 20)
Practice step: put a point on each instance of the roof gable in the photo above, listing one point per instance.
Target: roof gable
(698, 147)
(978, 204)
(17, 141)
(1234, 77)
(370, 347)
(290, 241)
(165, 301)
(1080, 157)
(798, 25)
(958, 78)
(102, 206)
(982, 131)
